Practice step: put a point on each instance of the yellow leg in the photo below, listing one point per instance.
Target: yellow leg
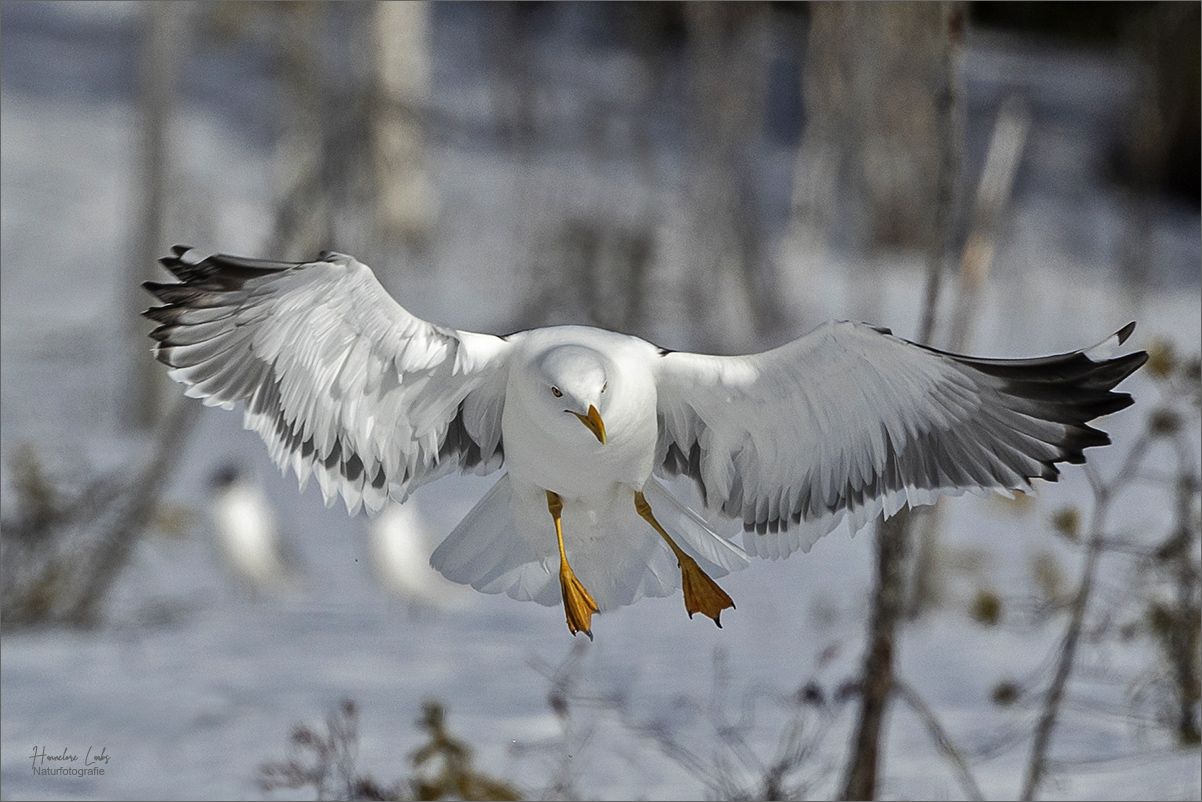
(701, 594)
(578, 603)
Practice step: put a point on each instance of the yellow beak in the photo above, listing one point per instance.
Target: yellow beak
(594, 423)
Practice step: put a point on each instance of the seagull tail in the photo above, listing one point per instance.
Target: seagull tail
(690, 531)
(486, 551)
(506, 544)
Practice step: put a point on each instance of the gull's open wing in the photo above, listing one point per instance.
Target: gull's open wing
(338, 379)
(852, 420)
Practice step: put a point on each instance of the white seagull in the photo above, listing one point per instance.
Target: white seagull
(247, 536)
(848, 421)
(401, 542)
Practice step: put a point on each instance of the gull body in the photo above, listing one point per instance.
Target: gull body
(843, 424)
(590, 477)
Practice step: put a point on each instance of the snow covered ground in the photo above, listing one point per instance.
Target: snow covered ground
(192, 684)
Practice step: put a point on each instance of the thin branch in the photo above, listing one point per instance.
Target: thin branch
(1182, 644)
(940, 737)
(1104, 495)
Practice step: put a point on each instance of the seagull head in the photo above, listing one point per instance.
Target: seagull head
(573, 382)
(224, 477)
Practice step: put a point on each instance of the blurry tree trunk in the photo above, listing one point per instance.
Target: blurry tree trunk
(515, 115)
(993, 197)
(404, 195)
(589, 240)
(730, 289)
(1160, 149)
(876, 684)
(163, 36)
(119, 526)
(930, 34)
(976, 259)
(304, 218)
(1184, 635)
(875, 85)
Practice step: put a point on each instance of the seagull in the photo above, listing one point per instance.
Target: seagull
(247, 536)
(846, 422)
(401, 542)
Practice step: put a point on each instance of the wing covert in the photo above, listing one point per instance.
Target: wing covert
(339, 380)
(852, 421)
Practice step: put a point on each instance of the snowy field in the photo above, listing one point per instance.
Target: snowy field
(191, 683)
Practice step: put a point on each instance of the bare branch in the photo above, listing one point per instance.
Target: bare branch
(941, 738)
(1103, 496)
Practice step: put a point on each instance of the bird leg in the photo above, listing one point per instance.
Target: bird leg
(701, 594)
(578, 603)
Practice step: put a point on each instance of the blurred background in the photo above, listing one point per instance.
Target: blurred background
(1005, 179)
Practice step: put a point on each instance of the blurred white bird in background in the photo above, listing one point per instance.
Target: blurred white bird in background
(247, 537)
(401, 543)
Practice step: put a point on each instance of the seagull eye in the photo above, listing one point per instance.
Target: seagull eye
(604, 386)
(555, 392)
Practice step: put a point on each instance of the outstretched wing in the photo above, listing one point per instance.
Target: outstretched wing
(337, 378)
(852, 420)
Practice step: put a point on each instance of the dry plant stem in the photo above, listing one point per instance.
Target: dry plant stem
(1103, 495)
(739, 769)
(940, 736)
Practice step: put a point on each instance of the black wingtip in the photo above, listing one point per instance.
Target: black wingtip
(1125, 332)
(177, 256)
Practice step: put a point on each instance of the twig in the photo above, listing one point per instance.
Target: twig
(1103, 494)
(940, 736)
(993, 194)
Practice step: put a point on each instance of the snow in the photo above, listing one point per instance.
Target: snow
(191, 685)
